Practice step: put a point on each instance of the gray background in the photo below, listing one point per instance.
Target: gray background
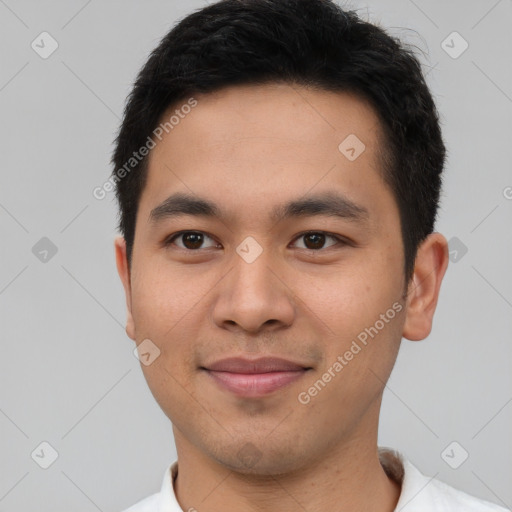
(69, 376)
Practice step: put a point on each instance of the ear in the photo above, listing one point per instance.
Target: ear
(124, 273)
(423, 289)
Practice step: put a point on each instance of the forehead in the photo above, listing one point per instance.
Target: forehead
(247, 147)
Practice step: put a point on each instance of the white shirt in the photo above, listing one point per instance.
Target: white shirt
(419, 493)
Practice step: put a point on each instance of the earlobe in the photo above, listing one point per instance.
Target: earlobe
(423, 292)
(124, 273)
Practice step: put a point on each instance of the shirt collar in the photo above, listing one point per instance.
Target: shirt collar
(167, 498)
(412, 483)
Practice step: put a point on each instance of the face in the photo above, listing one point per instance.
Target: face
(319, 284)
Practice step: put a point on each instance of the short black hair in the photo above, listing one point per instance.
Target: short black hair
(312, 43)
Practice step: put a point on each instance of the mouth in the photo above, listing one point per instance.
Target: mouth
(254, 378)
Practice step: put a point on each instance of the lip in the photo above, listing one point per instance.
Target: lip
(259, 365)
(254, 377)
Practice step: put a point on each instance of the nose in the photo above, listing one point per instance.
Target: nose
(254, 297)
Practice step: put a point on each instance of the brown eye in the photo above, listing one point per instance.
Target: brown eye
(194, 240)
(191, 240)
(315, 240)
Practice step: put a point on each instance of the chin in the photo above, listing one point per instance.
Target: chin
(260, 458)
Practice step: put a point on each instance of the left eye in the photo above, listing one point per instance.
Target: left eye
(192, 240)
(317, 238)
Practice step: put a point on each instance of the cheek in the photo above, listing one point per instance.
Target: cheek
(362, 308)
(351, 297)
(165, 306)
(161, 296)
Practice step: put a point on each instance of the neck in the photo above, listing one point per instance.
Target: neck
(349, 476)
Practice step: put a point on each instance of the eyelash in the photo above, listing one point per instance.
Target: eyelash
(340, 241)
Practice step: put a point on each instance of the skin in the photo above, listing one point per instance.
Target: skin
(249, 148)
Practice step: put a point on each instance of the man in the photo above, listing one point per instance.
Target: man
(278, 172)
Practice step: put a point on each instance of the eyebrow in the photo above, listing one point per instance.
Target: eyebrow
(329, 204)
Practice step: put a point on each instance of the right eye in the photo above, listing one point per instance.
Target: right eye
(191, 240)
